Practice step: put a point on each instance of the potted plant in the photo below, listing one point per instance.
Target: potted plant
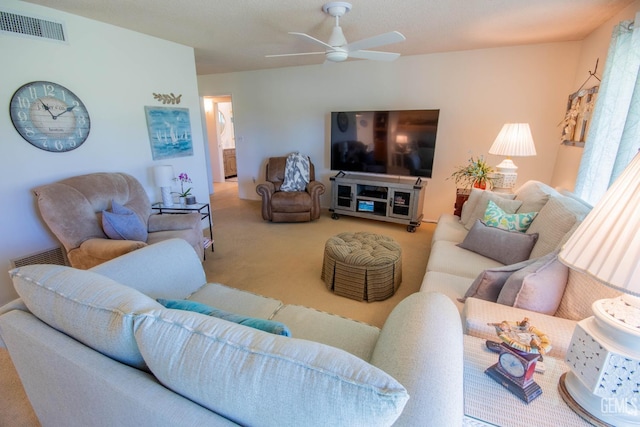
(477, 173)
(185, 195)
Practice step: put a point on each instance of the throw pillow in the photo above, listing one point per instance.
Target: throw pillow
(538, 287)
(119, 209)
(496, 217)
(507, 247)
(474, 197)
(87, 306)
(469, 206)
(554, 221)
(534, 195)
(123, 224)
(252, 322)
(489, 283)
(581, 292)
(247, 376)
(507, 205)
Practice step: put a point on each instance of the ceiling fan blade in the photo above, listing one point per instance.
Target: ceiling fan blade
(374, 55)
(294, 54)
(311, 39)
(375, 41)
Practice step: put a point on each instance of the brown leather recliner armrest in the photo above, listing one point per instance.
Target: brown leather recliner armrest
(315, 189)
(266, 190)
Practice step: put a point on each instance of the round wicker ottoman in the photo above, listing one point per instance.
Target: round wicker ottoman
(362, 266)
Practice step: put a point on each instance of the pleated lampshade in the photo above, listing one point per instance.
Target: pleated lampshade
(514, 140)
(606, 246)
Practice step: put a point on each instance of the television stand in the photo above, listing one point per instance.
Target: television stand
(383, 198)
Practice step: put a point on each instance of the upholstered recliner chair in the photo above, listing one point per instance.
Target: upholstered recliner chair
(288, 206)
(73, 210)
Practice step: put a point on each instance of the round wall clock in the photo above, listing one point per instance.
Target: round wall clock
(49, 116)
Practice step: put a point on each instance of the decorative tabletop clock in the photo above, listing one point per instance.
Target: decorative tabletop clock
(521, 347)
(49, 116)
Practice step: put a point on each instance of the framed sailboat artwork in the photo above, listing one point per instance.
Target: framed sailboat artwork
(169, 132)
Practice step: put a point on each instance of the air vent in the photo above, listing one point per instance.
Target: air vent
(12, 23)
(51, 256)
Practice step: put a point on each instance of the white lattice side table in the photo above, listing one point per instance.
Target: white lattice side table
(604, 382)
(488, 401)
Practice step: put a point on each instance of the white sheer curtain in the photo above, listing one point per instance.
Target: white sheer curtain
(614, 134)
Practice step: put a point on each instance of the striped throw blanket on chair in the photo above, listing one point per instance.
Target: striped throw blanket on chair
(296, 173)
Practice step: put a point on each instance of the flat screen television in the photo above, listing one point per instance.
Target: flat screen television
(400, 142)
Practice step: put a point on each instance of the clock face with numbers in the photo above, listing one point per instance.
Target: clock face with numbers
(49, 116)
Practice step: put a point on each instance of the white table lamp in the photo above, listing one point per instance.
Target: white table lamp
(514, 140)
(603, 384)
(163, 176)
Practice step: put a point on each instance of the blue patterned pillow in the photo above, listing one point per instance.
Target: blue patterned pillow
(496, 217)
(270, 326)
(123, 224)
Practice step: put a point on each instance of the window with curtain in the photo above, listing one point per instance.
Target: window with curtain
(614, 134)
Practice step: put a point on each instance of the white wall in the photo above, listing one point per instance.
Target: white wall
(593, 47)
(114, 72)
(283, 110)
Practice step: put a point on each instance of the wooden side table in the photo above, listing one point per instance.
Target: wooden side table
(202, 208)
(462, 194)
(488, 401)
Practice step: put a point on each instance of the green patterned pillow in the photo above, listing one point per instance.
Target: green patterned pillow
(496, 217)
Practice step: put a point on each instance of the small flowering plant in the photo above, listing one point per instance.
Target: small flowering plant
(183, 178)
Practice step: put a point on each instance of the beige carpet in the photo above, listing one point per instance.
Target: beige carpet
(15, 410)
(283, 261)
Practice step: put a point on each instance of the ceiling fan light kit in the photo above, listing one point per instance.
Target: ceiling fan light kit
(337, 49)
(336, 8)
(337, 56)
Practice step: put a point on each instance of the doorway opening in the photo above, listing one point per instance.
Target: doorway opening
(222, 142)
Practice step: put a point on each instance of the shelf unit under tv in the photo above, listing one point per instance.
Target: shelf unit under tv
(383, 198)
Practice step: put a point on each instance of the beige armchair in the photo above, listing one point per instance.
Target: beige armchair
(288, 206)
(72, 209)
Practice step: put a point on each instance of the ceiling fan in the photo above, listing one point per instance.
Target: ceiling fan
(337, 49)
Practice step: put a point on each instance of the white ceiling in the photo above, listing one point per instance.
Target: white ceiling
(235, 35)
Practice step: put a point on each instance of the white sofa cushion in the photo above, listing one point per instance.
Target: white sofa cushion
(431, 359)
(478, 313)
(450, 285)
(352, 336)
(445, 257)
(87, 306)
(256, 378)
(236, 300)
(553, 222)
(534, 195)
(157, 282)
(449, 228)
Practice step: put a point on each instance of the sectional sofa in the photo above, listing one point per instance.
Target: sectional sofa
(494, 275)
(95, 347)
